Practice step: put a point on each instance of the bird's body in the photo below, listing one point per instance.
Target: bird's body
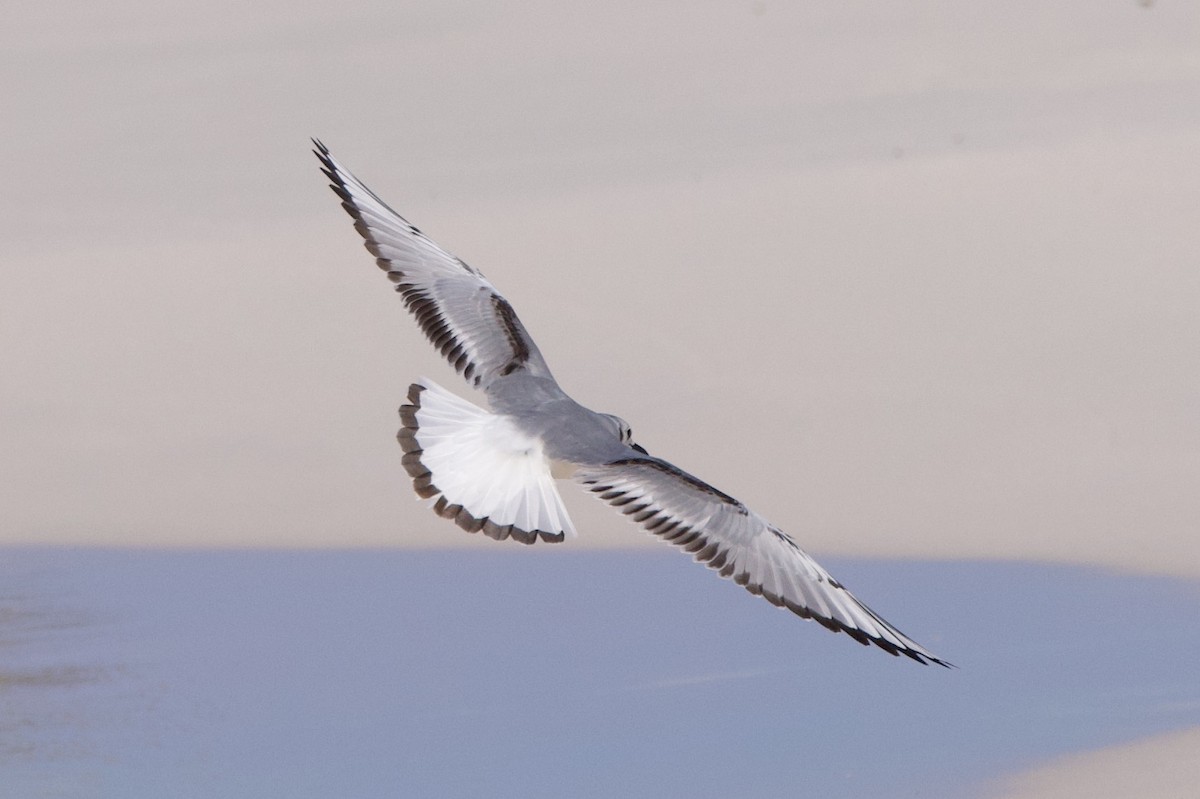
(495, 470)
(570, 432)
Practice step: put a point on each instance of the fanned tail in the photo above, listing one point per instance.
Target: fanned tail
(479, 469)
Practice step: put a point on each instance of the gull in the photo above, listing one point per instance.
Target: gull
(495, 470)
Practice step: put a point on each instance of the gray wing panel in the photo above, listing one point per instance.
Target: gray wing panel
(739, 544)
(461, 312)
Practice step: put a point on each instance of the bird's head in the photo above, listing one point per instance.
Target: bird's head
(624, 432)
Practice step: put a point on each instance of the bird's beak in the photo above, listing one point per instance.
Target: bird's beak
(638, 448)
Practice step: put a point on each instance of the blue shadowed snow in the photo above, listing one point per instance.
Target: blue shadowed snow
(549, 674)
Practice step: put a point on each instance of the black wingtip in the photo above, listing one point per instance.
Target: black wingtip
(327, 166)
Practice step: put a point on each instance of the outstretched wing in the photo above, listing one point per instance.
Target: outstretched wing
(738, 543)
(463, 314)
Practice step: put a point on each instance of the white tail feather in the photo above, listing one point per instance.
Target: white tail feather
(479, 468)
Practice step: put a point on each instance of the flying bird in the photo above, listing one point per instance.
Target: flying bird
(495, 470)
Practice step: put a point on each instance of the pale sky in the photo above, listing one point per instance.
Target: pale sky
(910, 279)
(914, 280)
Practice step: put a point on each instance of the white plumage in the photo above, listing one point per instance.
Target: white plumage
(485, 464)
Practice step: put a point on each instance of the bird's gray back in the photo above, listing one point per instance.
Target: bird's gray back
(569, 431)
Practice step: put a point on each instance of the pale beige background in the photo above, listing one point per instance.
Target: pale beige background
(914, 280)
(911, 279)
(1162, 767)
